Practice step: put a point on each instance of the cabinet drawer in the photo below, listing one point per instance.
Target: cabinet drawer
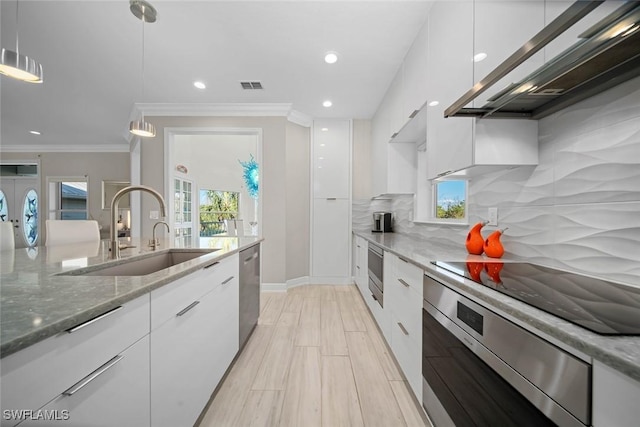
(117, 396)
(406, 304)
(34, 376)
(409, 356)
(169, 300)
(410, 274)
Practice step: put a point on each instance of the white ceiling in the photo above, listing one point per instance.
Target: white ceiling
(91, 55)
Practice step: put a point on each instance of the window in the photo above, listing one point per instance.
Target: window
(215, 207)
(68, 198)
(450, 199)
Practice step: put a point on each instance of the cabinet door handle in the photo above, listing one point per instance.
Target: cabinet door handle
(187, 308)
(227, 281)
(95, 319)
(211, 265)
(332, 198)
(374, 297)
(402, 259)
(358, 267)
(404, 283)
(404, 331)
(92, 376)
(252, 257)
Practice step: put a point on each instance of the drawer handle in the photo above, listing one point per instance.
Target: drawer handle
(404, 331)
(211, 265)
(252, 257)
(187, 308)
(95, 319)
(92, 376)
(227, 281)
(332, 198)
(358, 246)
(374, 297)
(404, 283)
(358, 267)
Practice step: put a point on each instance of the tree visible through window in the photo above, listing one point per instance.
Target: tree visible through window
(450, 199)
(215, 207)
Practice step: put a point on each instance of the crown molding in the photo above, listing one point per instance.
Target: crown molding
(96, 148)
(221, 110)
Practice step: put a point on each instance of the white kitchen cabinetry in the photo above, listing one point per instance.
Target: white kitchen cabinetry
(615, 398)
(403, 299)
(115, 394)
(393, 163)
(33, 377)
(415, 72)
(331, 204)
(331, 159)
(450, 74)
(361, 274)
(192, 349)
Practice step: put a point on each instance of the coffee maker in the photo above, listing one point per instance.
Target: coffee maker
(382, 222)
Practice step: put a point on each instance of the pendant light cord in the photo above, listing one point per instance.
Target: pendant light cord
(17, 43)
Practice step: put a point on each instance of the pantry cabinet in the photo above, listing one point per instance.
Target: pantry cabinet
(331, 204)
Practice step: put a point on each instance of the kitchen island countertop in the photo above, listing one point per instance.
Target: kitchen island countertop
(36, 302)
(619, 352)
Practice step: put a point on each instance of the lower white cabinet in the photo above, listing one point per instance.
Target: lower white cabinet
(115, 394)
(403, 296)
(615, 398)
(35, 376)
(361, 274)
(191, 352)
(330, 246)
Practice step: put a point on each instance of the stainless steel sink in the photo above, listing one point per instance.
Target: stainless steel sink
(141, 266)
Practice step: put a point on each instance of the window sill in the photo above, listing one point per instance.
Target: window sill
(464, 223)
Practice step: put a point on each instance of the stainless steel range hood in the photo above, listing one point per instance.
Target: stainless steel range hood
(607, 54)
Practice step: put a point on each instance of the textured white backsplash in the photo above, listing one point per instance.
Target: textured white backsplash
(579, 209)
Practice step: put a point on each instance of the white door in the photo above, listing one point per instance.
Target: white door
(19, 204)
(183, 213)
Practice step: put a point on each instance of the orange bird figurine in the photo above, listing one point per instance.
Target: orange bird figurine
(492, 245)
(475, 240)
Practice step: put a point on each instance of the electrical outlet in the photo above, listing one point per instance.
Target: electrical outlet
(493, 216)
(154, 214)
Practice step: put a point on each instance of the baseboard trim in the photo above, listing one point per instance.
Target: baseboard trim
(299, 281)
(330, 281)
(273, 287)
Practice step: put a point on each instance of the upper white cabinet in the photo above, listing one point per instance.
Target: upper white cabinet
(450, 71)
(331, 158)
(415, 75)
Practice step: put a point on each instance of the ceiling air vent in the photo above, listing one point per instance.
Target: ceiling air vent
(251, 85)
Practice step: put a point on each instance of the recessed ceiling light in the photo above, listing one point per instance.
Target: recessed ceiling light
(34, 132)
(479, 57)
(200, 85)
(324, 129)
(433, 103)
(331, 58)
(327, 103)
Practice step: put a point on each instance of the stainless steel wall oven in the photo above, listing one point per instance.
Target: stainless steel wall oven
(375, 269)
(479, 368)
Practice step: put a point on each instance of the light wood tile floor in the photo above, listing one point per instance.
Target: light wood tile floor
(316, 358)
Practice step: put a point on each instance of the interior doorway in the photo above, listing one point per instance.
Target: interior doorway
(20, 201)
(222, 167)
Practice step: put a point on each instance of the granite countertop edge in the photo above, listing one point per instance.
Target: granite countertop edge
(104, 305)
(618, 352)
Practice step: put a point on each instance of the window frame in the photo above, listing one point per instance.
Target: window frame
(434, 203)
(54, 197)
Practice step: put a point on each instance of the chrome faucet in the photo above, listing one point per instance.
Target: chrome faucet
(115, 202)
(154, 242)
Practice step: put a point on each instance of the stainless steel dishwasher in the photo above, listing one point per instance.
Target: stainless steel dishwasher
(249, 291)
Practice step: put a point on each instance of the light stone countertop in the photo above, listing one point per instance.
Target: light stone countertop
(37, 303)
(621, 353)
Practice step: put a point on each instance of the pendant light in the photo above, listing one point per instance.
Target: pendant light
(142, 10)
(20, 67)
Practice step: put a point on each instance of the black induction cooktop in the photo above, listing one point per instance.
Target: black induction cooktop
(598, 305)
